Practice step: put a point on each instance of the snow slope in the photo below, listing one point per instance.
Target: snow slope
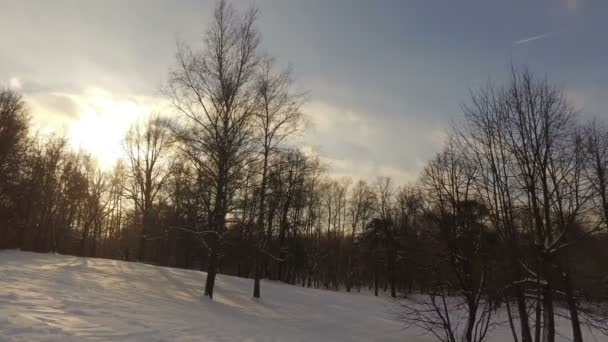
(46, 297)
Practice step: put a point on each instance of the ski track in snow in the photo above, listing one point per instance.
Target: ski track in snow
(46, 297)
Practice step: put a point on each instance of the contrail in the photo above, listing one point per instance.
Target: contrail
(530, 39)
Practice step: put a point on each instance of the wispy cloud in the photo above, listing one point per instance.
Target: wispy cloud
(533, 38)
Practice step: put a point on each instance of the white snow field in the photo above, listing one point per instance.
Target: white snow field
(47, 297)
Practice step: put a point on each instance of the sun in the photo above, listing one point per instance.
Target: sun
(96, 121)
(103, 123)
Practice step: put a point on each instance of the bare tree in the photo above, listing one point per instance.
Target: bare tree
(115, 221)
(484, 134)
(277, 116)
(597, 144)
(461, 265)
(539, 123)
(147, 145)
(93, 210)
(360, 208)
(213, 89)
(384, 196)
(14, 128)
(408, 209)
(533, 174)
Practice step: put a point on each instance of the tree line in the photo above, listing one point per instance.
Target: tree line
(510, 216)
(517, 200)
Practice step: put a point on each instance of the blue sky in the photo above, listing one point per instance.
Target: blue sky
(385, 77)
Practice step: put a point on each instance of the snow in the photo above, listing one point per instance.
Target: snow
(47, 297)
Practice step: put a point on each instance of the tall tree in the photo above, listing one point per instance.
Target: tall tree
(147, 145)
(14, 128)
(462, 263)
(532, 172)
(597, 144)
(214, 90)
(485, 136)
(277, 116)
(360, 208)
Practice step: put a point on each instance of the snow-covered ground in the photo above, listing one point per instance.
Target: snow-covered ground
(63, 298)
(45, 297)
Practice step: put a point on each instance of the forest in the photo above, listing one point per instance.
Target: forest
(510, 216)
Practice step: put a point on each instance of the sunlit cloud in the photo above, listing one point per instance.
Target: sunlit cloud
(11, 83)
(369, 170)
(14, 83)
(358, 145)
(95, 121)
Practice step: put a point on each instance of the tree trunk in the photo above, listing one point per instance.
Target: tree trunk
(539, 314)
(83, 247)
(511, 324)
(391, 273)
(257, 270)
(348, 274)
(256, 277)
(548, 317)
(524, 322)
(211, 272)
(141, 253)
(471, 321)
(376, 282)
(577, 335)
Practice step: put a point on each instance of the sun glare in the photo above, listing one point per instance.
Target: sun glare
(103, 124)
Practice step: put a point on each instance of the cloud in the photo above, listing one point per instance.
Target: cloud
(320, 115)
(364, 145)
(577, 100)
(14, 83)
(94, 119)
(369, 170)
(56, 104)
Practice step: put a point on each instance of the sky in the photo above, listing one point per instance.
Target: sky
(385, 78)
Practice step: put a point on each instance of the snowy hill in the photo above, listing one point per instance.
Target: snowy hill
(45, 297)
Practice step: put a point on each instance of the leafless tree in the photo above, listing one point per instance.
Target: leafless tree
(461, 266)
(535, 175)
(360, 209)
(14, 129)
(147, 145)
(596, 134)
(539, 124)
(484, 134)
(214, 90)
(384, 196)
(94, 206)
(277, 116)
